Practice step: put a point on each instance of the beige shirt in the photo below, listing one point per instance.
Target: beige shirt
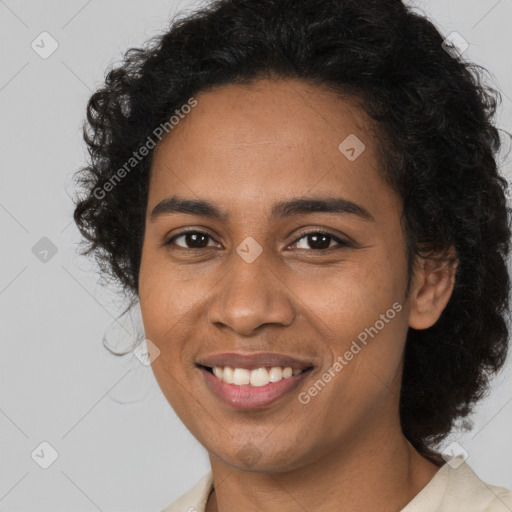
(452, 489)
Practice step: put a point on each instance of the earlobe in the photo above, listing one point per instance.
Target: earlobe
(433, 285)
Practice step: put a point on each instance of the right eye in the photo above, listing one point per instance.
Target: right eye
(196, 239)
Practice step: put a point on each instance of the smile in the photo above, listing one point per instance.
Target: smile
(251, 389)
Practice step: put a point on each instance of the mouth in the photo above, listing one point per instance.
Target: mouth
(257, 377)
(256, 383)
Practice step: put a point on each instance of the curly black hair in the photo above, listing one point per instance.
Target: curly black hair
(433, 115)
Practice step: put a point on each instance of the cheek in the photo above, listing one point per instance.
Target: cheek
(164, 298)
(164, 317)
(348, 299)
(360, 314)
(169, 308)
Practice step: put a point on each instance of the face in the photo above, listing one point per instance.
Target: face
(309, 284)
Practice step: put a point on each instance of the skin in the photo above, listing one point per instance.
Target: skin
(244, 148)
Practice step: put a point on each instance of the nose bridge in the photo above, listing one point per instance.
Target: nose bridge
(250, 294)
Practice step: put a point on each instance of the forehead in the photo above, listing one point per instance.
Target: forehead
(245, 145)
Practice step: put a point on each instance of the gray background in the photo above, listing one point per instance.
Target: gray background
(120, 446)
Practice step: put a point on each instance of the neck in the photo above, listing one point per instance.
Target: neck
(384, 473)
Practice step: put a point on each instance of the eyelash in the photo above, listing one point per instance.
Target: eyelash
(342, 243)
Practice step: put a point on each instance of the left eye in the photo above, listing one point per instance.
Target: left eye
(317, 240)
(320, 240)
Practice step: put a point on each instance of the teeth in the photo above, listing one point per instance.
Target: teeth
(227, 375)
(287, 372)
(256, 377)
(276, 374)
(259, 377)
(241, 376)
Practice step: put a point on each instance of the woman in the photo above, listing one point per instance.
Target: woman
(304, 198)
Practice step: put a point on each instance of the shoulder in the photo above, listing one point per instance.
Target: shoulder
(500, 499)
(457, 488)
(194, 500)
(472, 494)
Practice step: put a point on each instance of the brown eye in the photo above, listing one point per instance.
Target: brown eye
(191, 240)
(319, 240)
(316, 240)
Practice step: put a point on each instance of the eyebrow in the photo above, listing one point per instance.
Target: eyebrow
(294, 206)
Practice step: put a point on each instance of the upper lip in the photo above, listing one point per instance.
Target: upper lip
(253, 360)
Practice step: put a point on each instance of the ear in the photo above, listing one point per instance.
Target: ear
(433, 283)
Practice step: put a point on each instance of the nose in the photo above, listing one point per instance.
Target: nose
(249, 296)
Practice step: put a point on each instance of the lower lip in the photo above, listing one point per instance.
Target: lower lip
(251, 397)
